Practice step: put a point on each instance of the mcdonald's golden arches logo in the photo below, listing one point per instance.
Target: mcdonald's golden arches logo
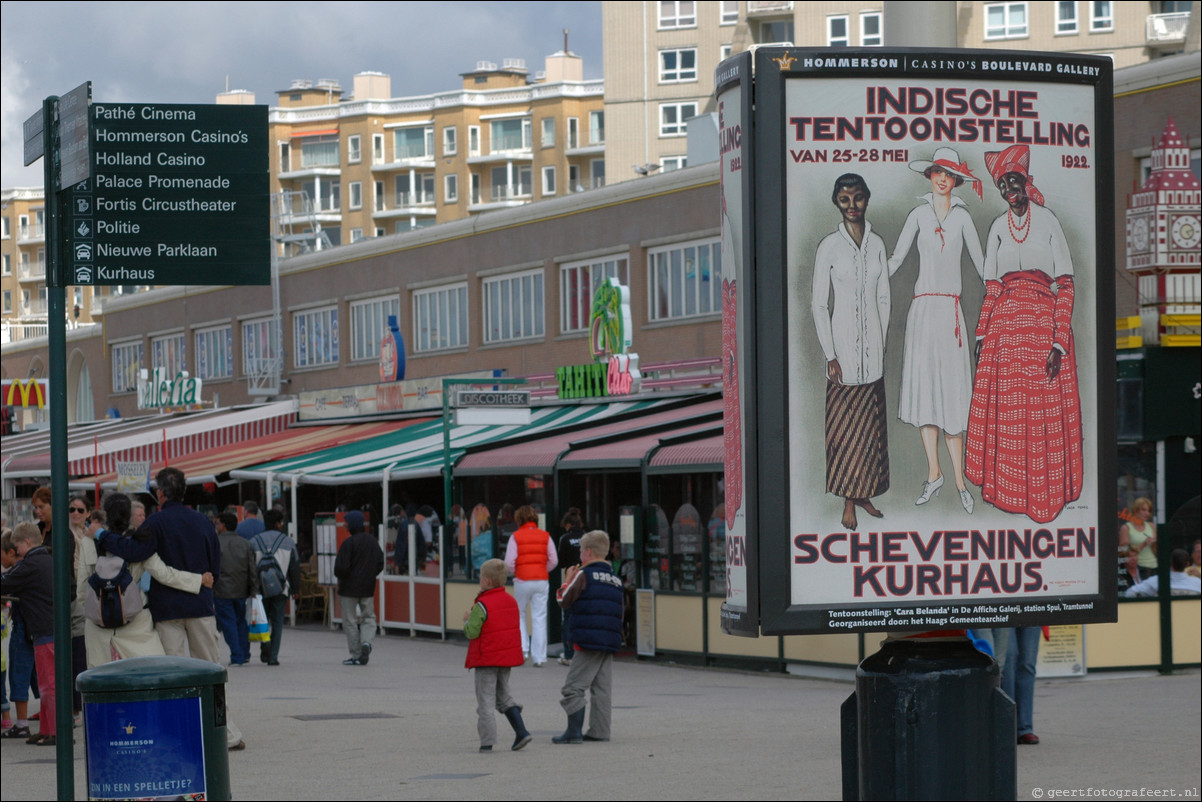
(13, 389)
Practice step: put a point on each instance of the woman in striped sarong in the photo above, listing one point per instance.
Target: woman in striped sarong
(850, 265)
(1024, 445)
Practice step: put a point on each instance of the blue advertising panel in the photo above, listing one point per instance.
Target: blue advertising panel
(145, 749)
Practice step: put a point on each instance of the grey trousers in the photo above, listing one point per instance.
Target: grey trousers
(198, 636)
(591, 671)
(492, 692)
(358, 622)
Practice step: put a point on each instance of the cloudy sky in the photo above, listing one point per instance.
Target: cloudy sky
(184, 52)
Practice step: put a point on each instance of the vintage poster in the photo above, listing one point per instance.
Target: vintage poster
(733, 143)
(942, 285)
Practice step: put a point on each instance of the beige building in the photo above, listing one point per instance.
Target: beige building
(23, 274)
(369, 164)
(660, 56)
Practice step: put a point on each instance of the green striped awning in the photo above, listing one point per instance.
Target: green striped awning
(417, 450)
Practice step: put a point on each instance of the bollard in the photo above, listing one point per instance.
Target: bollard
(155, 727)
(928, 720)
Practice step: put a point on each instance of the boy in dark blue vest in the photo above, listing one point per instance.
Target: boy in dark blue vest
(494, 647)
(594, 594)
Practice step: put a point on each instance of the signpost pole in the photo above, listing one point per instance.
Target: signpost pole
(63, 540)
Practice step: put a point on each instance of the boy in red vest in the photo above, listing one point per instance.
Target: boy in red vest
(494, 647)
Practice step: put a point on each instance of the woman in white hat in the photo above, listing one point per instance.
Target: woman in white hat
(936, 385)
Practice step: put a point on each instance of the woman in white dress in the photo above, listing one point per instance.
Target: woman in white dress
(936, 385)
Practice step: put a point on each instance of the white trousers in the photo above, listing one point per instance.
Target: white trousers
(532, 594)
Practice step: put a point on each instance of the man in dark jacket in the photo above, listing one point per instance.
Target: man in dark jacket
(238, 582)
(594, 594)
(360, 560)
(186, 541)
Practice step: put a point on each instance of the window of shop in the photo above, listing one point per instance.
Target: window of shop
(489, 503)
(258, 346)
(315, 337)
(126, 359)
(685, 542)
(514, 307)
(369, 321)
(215, 353)
(577, 283)
(440, 318)
(686, 280)
(167, 352)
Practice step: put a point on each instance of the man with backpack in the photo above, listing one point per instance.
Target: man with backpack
(278, 568)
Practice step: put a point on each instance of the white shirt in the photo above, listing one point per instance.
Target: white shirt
(859, 275)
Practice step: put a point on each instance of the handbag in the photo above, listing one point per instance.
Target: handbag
(260, 630)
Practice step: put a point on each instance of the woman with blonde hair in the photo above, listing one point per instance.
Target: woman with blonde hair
(1138, 535)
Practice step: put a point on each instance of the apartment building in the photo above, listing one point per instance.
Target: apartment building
(660, 56)
(368, 164)
(23, 273)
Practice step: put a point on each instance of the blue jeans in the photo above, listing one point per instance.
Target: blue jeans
(231, 620)
(20, 664)
(274, 607)
(1018, 675)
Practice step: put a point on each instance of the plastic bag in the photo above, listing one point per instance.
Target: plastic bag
(260, 630)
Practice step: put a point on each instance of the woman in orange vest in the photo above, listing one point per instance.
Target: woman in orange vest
(530, 557)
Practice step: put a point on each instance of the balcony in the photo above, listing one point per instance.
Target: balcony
(768, 8)
(33, 307)
(33, 232)
(1167, 29)
(32, 271)
(406, 162)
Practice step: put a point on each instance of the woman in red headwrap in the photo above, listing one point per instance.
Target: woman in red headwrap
(936, 380)
(1024, 444)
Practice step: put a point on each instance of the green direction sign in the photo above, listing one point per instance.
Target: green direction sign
(178, 195)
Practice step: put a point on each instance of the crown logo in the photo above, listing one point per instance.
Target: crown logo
(129, 729)
(785, 61)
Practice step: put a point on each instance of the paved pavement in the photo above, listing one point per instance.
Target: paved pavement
(404, 727)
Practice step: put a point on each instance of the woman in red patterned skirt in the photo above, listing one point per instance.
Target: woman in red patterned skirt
(1024, 427)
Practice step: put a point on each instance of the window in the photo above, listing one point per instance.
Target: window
(686, 280)
(450, 188)
(672, 117)
(677, 14)
(1006, 21)
(837, 34)
(325, 192)
(548, 180)
(8, 265)
(4, 228)
(776, 31)
(870, 29)
(258, 346)
(548, 132)
(127, 361)
(315, 337)
(574, 178)
(596, 168)
(724, 52)
(676, 66)
(440, 318)
(596, 127)
(377, 148)
(215, 353)
(1101, 16)
(669, 163)
(729, 12)
(573, 132)
(379, 232)
(450, 141)
(285, 157)
(356, 188)
(520, 175)
(378, 201)
(319, 151)
(167, 352)
(356, 234)
(510, 134)
(577, 283)
(473, 140)
(354, 150)
(1066, 17)
(413, 143)
(513, 307)
(8, 301)
(414, 189)
(369, 321)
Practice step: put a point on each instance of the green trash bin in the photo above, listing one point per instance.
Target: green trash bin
(155, 727)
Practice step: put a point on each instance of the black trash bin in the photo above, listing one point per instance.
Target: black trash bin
(155, 727)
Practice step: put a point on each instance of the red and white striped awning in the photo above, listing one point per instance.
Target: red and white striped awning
(154, 438)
